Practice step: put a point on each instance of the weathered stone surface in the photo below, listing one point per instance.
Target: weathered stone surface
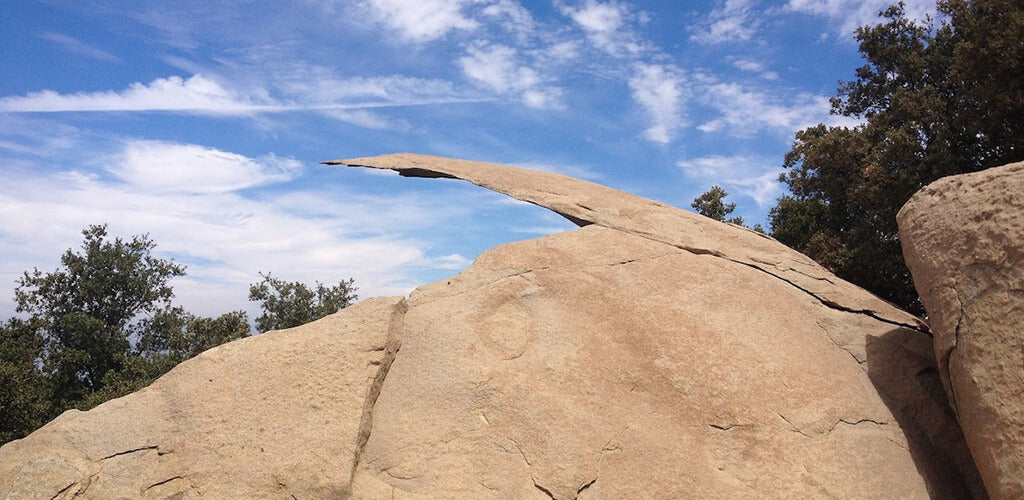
(652, 353)
(963, 238)
(279, 415)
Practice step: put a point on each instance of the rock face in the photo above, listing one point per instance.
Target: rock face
(278, 415)
(963, 238)
(653, 353)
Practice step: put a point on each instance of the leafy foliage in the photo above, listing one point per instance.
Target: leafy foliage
(934, 104)
(288, 304)
(99, 327)
(24, 391)
(85, 308)
(712, 204)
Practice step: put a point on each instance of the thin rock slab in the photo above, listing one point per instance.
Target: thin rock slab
(963, 239)
(278, 415)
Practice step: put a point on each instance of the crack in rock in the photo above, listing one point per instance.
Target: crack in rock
(165, 481)
(949, 354)
(63, 490)
(541, 488)
(792, 426)
(727, 427)
(128, 452)
(585, 486)
(834, 305)
(856, 422)
(388, 352)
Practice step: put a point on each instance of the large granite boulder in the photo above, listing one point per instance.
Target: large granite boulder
(279, 415)
(653, 353)
(963, 238)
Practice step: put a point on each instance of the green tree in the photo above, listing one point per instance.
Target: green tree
(934, 103)
(24, 391)
(712, 204)
(99, 327)
(286, 304)
(86, 307)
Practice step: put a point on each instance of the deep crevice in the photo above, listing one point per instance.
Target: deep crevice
(389, 353)
(949, 353)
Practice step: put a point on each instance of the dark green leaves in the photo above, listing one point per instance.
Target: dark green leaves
(938, 100)
(287, 304)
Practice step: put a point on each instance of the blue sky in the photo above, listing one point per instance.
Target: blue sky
(203, 123)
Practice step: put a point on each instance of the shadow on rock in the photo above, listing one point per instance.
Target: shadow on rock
(901, 366)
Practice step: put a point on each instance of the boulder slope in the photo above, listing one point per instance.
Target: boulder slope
(653, 353)
(963, 238)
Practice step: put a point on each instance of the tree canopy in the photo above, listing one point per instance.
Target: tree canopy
(937, 98)
(98, 327)
(286, 304)
(712, 204)
(84, 310)
(103, 325)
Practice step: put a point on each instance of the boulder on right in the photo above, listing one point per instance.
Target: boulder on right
(963, 239)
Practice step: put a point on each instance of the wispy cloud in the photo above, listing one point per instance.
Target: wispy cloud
(751, 176)
(734, 21)
(755, 67)
(202, 95)
(422, 20)
(848, 15)
(76, 46)
(660, 90)
(606, 25)
(197, 93)
(497, 67)
(514, 17)
(743, 111)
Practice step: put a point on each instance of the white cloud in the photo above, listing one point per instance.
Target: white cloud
(734, 21)
(750, 176)
(515, 17)
(497, 67)
(224, 237)
(302, 87)
(848, 15)
(659, 89)
(76, 46)
(744, 112)
(197, 94)
(188, 168)
(560, 52)
(452, 262)
(755, 67)
(423, 20)
(606, 26)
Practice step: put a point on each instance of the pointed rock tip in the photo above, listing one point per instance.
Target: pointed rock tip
(406, 164)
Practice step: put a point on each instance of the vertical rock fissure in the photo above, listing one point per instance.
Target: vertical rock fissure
(961, 312)
(392, 345)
